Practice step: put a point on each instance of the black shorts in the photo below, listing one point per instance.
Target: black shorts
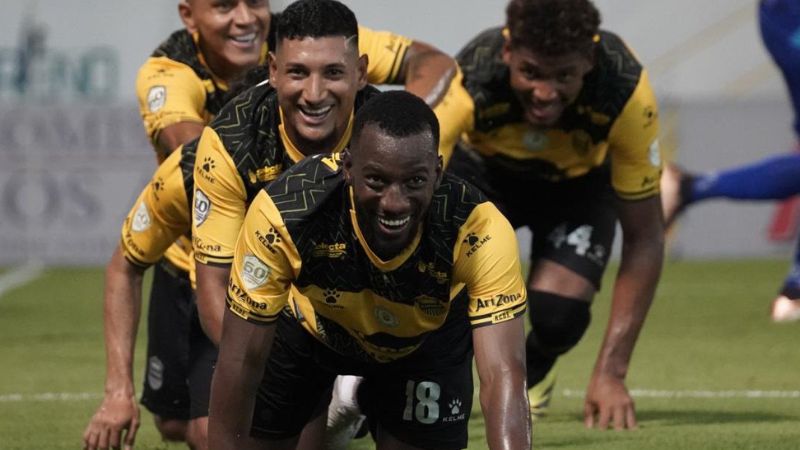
(573, 221)
(180, 358)
(423, 400)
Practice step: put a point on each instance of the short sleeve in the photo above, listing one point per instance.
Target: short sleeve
(385, 51)
(486, 261)
(169, 92)
(219, 203)
(159, 217)
(262, 273)
(633, 144)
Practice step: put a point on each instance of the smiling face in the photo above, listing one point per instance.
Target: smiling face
(231, 32)
(317, 80)
(393, 180)
(545, 86)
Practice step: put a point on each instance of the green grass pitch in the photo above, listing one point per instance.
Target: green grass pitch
(707, 334)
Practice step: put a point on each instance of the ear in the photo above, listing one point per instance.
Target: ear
(439, 170)
(347, 165)
(273, 66)
(363, 65)
(185, 11)
(506, 52)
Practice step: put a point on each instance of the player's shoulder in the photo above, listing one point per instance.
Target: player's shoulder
(453, 201)
(616, 75)
(481, 58)
(305, 187)
(253, 107)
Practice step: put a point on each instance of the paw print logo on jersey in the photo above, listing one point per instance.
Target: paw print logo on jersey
(331, 296)
(269, 239)
(455, 406)
(475, 242)
(158, 186)
(208, 164)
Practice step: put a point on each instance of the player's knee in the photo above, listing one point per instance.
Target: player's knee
(171, 429)
(197, 433)
(557, 322)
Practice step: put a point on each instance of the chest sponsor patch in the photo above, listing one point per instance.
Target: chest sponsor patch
(156, 97)
(202, 206)
(141, 219)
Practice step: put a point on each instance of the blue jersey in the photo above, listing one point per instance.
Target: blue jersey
(780, 29)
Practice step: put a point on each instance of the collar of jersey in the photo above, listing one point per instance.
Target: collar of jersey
(391, 264)
(296, 154)
(217, 80)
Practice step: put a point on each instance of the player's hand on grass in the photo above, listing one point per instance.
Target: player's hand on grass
(608, 404)
(114, 424)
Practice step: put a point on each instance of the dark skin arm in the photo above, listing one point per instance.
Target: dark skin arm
(117, 418)
(176, 135)
(243, 352)
(500, 359)
(426, 72)
(212, 284)
(608, 402)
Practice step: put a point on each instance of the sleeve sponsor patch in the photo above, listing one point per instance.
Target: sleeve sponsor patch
(654, 153)
(254, 272)
(156, 98)
(202, 206)
(141, 219)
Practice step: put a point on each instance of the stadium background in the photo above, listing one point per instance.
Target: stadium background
(73, 154)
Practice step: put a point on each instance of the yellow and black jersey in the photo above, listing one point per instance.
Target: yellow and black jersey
(614, 120)
(161, 215)
(301, 247)
(242, 150)
(175, 85)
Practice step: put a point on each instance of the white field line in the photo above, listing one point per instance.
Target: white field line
(19, 277)
(569, 393)
(657, 393)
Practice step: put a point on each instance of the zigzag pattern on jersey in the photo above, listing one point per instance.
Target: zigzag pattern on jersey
(307, 199)
(248, 128)
(188, 156)
(180, 47)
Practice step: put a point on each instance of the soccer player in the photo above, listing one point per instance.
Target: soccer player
(773, 178)
(564, 140)
(374, 263)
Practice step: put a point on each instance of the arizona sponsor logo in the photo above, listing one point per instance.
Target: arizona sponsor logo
(456, 414)
(200, 245)
(241, 296)
(654, 153)
(430, 269)
(254, 272)
(269, 239)
(202, 206)
(386, 317)
(475, 242)
(430, 306)
(141, 219)
(131, 244)
(156, 98)
(497, 301)
(333, 251)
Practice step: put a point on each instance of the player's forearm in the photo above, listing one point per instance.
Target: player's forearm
(212, 286)
(427, 72)
(504, 403)
(634, 289)
(122, 307)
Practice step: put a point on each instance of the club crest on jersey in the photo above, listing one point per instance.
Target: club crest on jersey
(385, 317)
(141, 219)
(156, 98)
(534, 140)
(254, 272)
(202, 206)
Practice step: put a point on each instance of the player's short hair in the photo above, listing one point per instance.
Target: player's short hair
(553, 27)
(316, 18)
(398, 114)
